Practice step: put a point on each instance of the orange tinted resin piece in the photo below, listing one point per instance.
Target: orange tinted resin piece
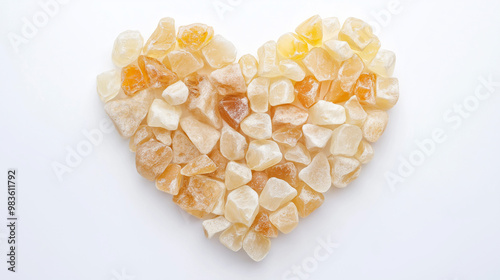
(220, 161)
(263, 225)
(152, 158)
(258, 182)
(307, 91)
(336, 94)
(157, 75)
(233, 109)
(287, 135)
(133, 79)
(198, 195)
(143, 134)
(307, 200)
(365, 89)
(170, 180)
(194, 36)
(285, 171)
(199, 165)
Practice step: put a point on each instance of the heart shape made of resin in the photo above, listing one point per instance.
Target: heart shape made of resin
(250, 146)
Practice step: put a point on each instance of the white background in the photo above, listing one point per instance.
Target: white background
(103, 221)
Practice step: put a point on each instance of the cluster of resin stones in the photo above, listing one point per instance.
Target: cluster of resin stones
(249, 146)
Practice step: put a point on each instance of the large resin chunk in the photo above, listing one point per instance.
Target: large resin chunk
(127, 114)
(127, 47)
(219, 52)
(152, 158)
(276, 193)
(242, 205)
(162, 114)
(108, 85)
(321, 64)
(263, 154)
(233, 109)
(232, 237)
(317, 174)
(233, 145)
(229, 80)
(284, 171)
(311, 30)
(256, 245)
(326, 113)
(286, 218)
(162, 40)
(289, 115)
(263, 225)
(194, 36)
(199, 195)
(184, 62)
(307, 200)
(344, 170)
(307, 91)
(374, 125)
(203, 136)
(258, 94)
(345, 140)
(202, 99)
(170, 180)
(268, 60)
(184, 150)
(199, 165)
(237, 175)
(257, 126)
(292, 46)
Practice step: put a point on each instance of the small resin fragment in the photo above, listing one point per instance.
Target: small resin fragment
(229, 80)
(311, 30)
(387, 92)
(292, 70)
(213, 226)
(317, 174)
(143, 134)
(233, 145)
(258, 94)
(276, 193)
(307, 91)
(289, 115)
(184, 150)
(127, 114)
(374, 125)
(233, 109)
(237, 175)
(194, 36)
(345, 140)
(219, 52)
(339, 50)
(285, 171)
(242, 205)
(258, 182)
(268, 60)
(316, 136)
(256, 245)
(299, 154)
(326, 113)
(364, 153)
(162, 114)
(344, 170)
(176, 93)
(199, 165)
(291, 46)
(221, 163)
(127, 47)
(263, 225)
(287, 135)
(354, 111)
(281, 92)
(365, 89)
(203, 136)
(383, 64)
(263, 154)
(157, 75)
(108, 84)
(170, 180)
(199, 195)
(162, 40)
(321, 64)
(184, 62)
(331, 28)
(257, 126)
(248, 64)
(286, 218)
(232, 237)
(133, 80)
(152, 158)
(307, 200)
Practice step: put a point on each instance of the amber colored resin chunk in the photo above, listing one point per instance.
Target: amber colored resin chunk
(194, 36)
(232, 237)
(307, 91)
(133, 80)
(307, 200)
(233, 109)
(184, 149)
(286, 218)
(287, 135)
(285, 171)
(199, 195)
(258, 182)
(263, 225)
(220, 161)
(256, 245)
(152, 158)
(162, 40)
(170, 180)
(289, 115)
(199, 165)
(311, 30)
(143, 134)
(365, 89)
(292, 46)
(158, 76)
(336, 94)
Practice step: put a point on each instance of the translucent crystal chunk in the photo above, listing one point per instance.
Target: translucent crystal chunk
(232, 237)
(327, 113)
(237, 175)
(276, 193)
(170, 180)
(258, 94)
(229, 80)
(184, 62)
(248, 64)
(162, 40)
(199, 195)
(184, 150)
(242, 205)
(307, 200)
(321, 64)
(108, 85)
(311, 30)
(299, 154)
(203, 136)
(307, 91)
(257, 126)
(344, 170)
(194, 36)
(127, 47)
(233, 109)
(281, 92)
(268, 60)
(162, 114)
(316, 136)
(263, 154)
(199, 165)
(387, 92)
(291, 46)
(256, 245)
(345, 140)
(289, 115)
(213, 226)
(374, 125)
(317, 174)
(152, 158)
(286, 218)
(233, 145)
(219, 52)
